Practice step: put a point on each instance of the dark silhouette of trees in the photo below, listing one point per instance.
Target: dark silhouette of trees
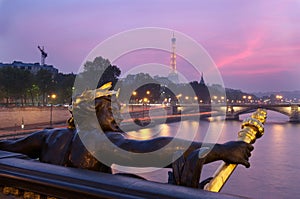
(98, 72)
(14, 83)
(33, 92)
(45, 81)
(19, 86)
(64, 84)
(22, 87)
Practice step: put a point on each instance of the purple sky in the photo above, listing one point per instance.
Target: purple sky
(255, 44)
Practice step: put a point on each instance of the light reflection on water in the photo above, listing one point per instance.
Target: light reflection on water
(275, 163)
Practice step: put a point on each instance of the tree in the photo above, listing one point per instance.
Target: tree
(15, 83)
(33, 92)
(96, 73)
(44, 80)
(63, 87)
(26, 80)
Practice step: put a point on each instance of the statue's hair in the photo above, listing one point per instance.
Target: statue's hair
(90, 102)
(99, 108)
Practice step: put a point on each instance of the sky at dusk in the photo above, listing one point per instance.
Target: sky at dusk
(254, 44)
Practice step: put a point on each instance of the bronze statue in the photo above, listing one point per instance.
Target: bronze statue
(64, 146)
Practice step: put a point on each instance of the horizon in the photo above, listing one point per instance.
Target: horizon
(255, 45)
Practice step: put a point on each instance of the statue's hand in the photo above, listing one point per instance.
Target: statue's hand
(236, 152)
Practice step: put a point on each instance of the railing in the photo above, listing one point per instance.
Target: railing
(20, 176)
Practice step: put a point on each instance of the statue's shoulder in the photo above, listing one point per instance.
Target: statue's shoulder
(57, 133)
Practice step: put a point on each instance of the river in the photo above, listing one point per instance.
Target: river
(275, 163)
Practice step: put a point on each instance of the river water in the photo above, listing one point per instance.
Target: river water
(275, 163)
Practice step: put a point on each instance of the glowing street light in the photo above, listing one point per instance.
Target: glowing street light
(145, 99)
(53, 97)
(148, 92)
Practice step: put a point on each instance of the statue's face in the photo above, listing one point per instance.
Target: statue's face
(108, 113)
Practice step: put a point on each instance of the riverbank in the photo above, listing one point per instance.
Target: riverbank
(13, 118)
(38, 118)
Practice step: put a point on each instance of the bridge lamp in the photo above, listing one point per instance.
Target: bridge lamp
(195, 98)
(134, 93)
(148, 92)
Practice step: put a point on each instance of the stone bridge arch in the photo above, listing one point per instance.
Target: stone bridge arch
(291, 110)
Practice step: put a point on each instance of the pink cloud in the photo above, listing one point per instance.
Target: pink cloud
(249, 49)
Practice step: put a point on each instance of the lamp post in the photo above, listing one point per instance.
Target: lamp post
(145, 100)
(134, 93)
(53, 97)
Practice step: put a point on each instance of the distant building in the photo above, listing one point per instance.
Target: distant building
(32, 67)
(173, 75)
(202, 80)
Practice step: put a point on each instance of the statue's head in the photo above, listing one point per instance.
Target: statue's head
(108, 113)
(101, 104)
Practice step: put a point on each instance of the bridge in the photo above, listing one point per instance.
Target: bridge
(233, 111)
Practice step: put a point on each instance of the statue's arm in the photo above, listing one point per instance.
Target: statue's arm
(30, 145)
(232, 152)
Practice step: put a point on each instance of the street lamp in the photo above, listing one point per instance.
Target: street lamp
(133, 100)
(53, 97)
(145, 100)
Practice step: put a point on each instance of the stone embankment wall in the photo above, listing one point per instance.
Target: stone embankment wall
(11, 117)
